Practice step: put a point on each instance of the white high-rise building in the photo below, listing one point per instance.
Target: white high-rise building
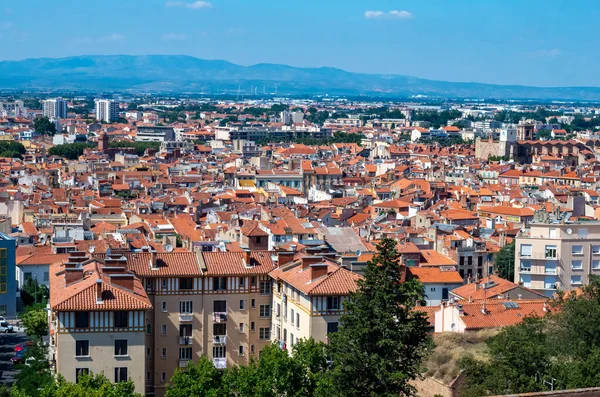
(55, 108)
(107, 110)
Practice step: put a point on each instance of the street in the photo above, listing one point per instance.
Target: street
(7, 345)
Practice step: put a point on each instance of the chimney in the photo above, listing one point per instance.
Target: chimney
(153, 260)
(318, 270)
(247, 257)
(73, 274)
(309, 260)
(284, 257)
(461, 311)
(470, 299)
(99, 291)
(545, 308)
(124, 280)
(483, 308)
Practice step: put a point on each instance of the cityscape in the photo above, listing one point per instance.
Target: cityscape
(181, 225)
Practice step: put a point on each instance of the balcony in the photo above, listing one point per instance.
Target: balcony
(220, 363)
(183, 363)
(185, 317)
(185, 340)
(220, 317)
(220, 340)
(536, 256)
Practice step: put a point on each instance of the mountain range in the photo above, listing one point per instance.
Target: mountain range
(180, 73)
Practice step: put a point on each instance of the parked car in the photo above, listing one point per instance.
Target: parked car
(5, 327)
(19, 357)
(23, 346)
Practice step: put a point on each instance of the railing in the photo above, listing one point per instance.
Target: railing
(220, 363)
(537, 256)
(183, 363)
(220, 339)
(185, 340)
(220, 317)
(185, 317)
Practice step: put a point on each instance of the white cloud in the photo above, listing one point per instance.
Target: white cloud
(394, 14)
(552, 53)
(112, 37)
(374, 14)
(193, 5)
(401, 14)
(174, 36)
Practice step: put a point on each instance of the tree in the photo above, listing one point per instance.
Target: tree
(36, 323)
(95, 386)
(505, 262)
(36, 376)
(381, 340)
(43, 125)
(201, 379)
(544, 134)
(32, 292)
(70, 151)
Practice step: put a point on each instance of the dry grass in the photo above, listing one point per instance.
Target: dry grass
(442, 364)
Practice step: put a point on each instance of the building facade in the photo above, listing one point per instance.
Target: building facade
(8, 278)
(55, 108)
(107, 110)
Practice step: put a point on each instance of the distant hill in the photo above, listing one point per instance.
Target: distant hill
(181, 73)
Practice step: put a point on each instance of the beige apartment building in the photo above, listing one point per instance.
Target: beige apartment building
(308, 298)
(97, 319)
(557, 256)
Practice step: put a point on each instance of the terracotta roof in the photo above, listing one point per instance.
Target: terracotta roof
(498, 315)
(477, 291)
(232, 263)
(430, 275)
(167, 263)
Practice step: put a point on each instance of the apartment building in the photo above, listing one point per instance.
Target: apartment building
(97, 319)
(309, 292)
(8, 278)
(557, 256)
(107, 110)
(55, 108)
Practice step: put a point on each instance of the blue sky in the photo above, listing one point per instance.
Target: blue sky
(531, 42)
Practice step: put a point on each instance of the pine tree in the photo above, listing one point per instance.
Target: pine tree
(381, 341)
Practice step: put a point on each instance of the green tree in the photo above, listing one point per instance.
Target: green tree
(95, 386)
(505, 262)
(381, 341)
(36, 323)
(70, 151)
(32, 292)
(35, 379)
(43, 125)
(201, 379)
(544, 134)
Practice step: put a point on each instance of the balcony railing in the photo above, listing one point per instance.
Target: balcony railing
(220, 339)
(220, 317)
(537, 256)
(185, 317)
(220, 363)
(185, 340)
(183, 363)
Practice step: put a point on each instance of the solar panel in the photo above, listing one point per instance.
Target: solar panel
(510, 305)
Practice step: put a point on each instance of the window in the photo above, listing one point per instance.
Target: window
(264, 333)
(220, 306)
(148, 329)
(163, 329)
(595, 264)
(148, 352)
(163, 352)
(241, 327)
(333, 303)
(219, 329)
(292, 316)
(251, 349)
(163, 283)
(596, 249)
(163, 377)
(26, 276)
(46, 276)
(120, 347)
(164, 306)
(432, 289)
(242, 282)
(240, 350)
(551, 251)
(120, 374)
(185, 330)
(121, 319)
(242, 304)
(185, 353)
(525, 266)
(291, 339)
(575, 280)
(576, 265)
(331, 328)
(79, 372)
(298, 320)
(148, 376)
(186, 307)
(253, 281)
(3, 271)
(219, 283)
(253, 303)
(264, 310)
(525, 249)
(252, 326)
(82, 348)
(577, 250)
(82, 319)
(186, 283)
(218, 351)
(265, 287)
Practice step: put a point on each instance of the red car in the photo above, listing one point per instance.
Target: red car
(23, 346)
(19, 357)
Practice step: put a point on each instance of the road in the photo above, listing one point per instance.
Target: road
(7, 345)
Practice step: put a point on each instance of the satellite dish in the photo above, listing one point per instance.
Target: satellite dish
(569, 231)
(358, 252)
(169, 248)
(92, 249)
